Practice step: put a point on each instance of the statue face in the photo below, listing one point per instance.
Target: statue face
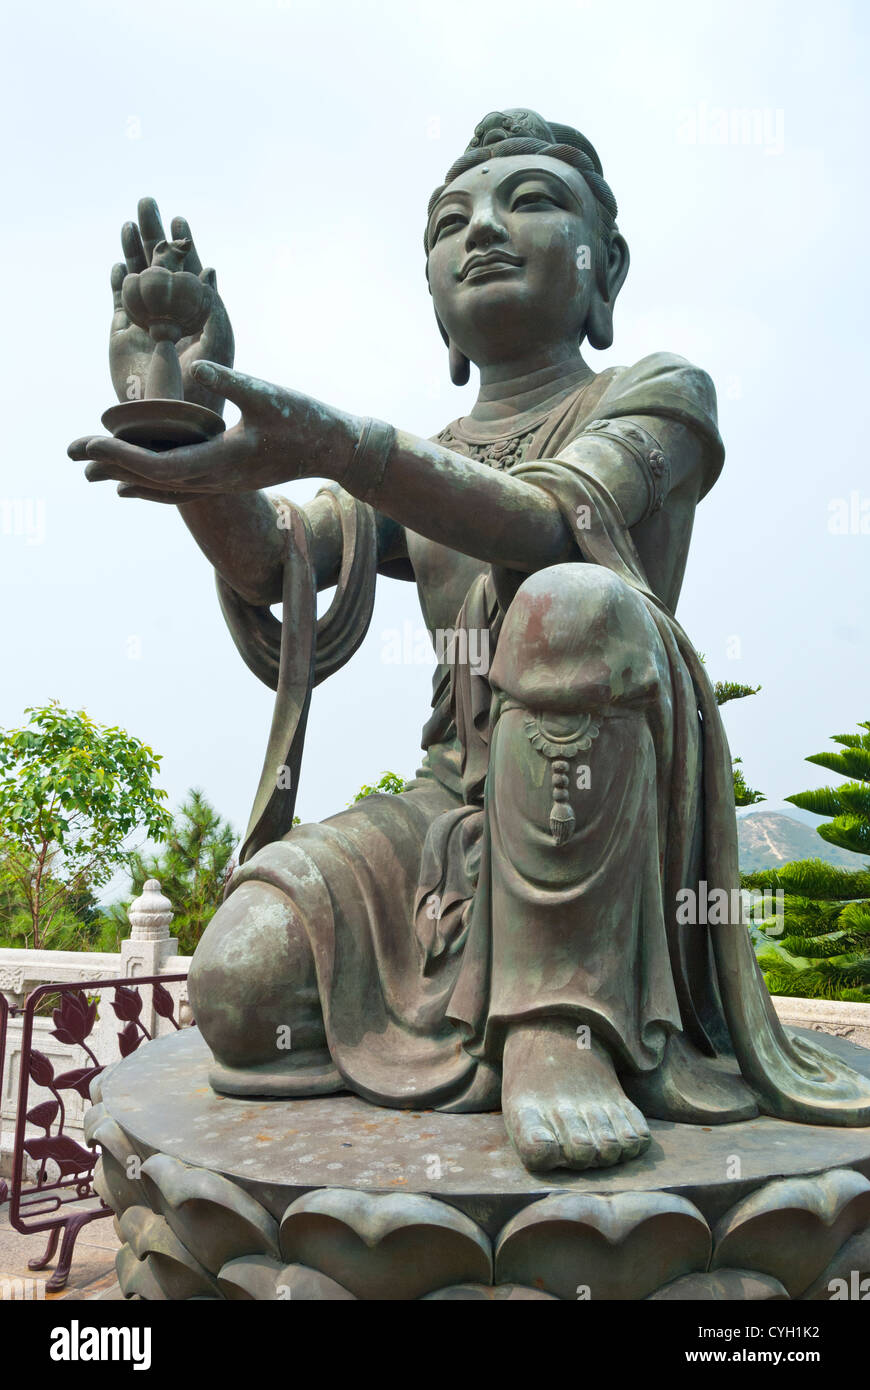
(512, 249)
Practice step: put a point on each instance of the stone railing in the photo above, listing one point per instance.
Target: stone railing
(850, 1021)
(149, 950)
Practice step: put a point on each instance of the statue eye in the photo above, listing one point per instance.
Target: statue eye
(536, 199)
(449, 223)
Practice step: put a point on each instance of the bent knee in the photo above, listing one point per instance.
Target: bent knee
(252, 962)
(578, 636)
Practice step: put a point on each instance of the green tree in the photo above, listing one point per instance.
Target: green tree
(71, 793)
(193, 868)
(744, 795)
(390, 782)
(16, 924)
(76, 924)
(849, 804)
(823, 948)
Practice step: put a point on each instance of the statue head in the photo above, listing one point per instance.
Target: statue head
(522, 248)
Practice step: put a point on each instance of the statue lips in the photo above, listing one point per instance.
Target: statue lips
(477, 266)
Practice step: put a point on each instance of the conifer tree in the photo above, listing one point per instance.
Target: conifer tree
(823, 949)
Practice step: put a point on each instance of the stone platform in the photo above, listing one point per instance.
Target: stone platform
(333, 1198)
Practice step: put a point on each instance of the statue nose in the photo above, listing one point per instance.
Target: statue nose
(483, 231)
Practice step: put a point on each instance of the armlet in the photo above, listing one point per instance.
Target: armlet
(646, 452)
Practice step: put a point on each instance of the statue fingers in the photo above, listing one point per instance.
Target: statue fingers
(97, 471)
(129, 485)
(193, 468)
(134, 251)
(147, 494)
(216, 340)
(249, 393)
(77, 451)
(104, 472)
(114, 458)
(150, 225)
(120, 317)
(119, 275)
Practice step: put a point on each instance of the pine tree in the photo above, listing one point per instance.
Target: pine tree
(193, 868)
(849, 805)
(823, 949)
(744, 795)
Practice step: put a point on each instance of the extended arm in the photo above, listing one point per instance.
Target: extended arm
(504, 520)
(421, 486)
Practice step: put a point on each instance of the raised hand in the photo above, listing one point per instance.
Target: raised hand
(130, 347)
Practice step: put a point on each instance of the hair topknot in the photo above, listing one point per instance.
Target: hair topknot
(520, 131)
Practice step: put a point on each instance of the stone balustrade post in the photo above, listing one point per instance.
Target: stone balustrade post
(142, 953)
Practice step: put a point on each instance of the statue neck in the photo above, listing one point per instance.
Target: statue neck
(511, 388)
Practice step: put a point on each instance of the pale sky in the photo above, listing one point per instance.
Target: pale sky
(302, 141)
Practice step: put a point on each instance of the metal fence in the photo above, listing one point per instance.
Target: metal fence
(56, 1197)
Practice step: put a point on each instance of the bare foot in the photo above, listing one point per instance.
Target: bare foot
(563, 1105)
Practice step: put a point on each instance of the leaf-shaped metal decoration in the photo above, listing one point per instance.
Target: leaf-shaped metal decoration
(78, 1080)
(69, 1156)
(129, 1039)
(163, 1002)
(127, 1004)
(43, 1115)
(75, 1018)
(41, 1070)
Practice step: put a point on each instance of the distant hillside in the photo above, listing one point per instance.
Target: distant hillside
(766, 840)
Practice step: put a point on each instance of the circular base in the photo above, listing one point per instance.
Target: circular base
(162, 424)
(335, 1198)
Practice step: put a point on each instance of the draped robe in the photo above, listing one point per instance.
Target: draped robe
(439, 916)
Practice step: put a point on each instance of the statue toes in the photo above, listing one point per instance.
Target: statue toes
(534, 1139)
(579, 1145)
(631, 1129)
(607, 1144)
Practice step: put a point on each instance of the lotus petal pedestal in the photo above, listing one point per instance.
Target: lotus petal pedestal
(333, 1198)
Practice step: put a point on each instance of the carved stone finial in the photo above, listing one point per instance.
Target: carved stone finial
(151, 914)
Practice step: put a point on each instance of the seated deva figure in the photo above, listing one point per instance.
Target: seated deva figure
(506, 932)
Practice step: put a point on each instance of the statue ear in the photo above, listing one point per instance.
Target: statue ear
(460, 367)
(599, 320)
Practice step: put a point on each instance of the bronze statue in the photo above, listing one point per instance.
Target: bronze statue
(505, 932)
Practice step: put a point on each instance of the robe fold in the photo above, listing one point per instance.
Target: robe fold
(438, 917)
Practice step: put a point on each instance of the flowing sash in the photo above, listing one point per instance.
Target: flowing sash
(294, 655)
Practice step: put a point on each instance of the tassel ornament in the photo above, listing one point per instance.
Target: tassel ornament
(558, 750)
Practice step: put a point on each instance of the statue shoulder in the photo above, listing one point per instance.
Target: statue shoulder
(663, 380)
(667, 387)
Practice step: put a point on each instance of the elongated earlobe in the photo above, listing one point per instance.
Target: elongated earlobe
(460, 367)
(599, 323)
(609, 279)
